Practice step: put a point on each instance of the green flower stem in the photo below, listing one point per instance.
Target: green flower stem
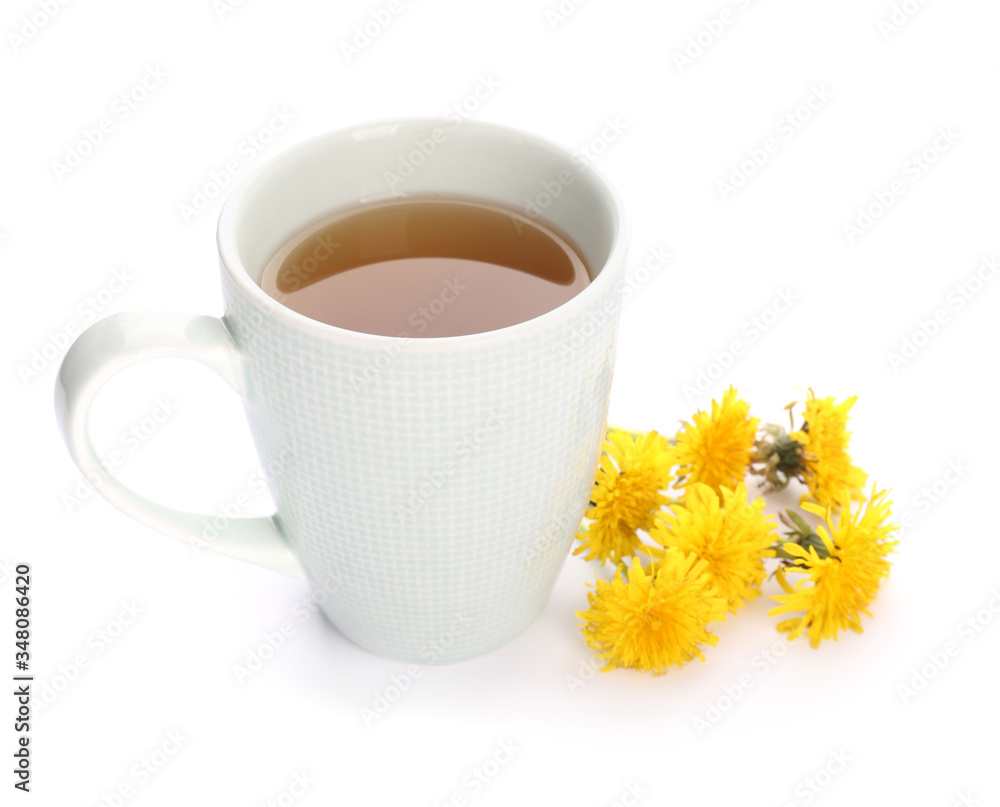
(800, 523)
(779, 551)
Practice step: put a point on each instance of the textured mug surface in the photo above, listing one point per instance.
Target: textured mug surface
(430, 488)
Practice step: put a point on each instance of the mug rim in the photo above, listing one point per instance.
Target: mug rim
(608, 274)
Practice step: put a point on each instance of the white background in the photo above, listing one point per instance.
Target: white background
(172, 669)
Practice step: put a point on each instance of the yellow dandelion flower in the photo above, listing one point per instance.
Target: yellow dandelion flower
(838, 588)
(732, 538)
(716, 449)
(655, 618)
(627, 494)
(824, 437)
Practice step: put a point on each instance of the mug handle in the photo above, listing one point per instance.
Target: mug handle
(124, 339)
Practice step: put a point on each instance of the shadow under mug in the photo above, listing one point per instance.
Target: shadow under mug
(428, 488)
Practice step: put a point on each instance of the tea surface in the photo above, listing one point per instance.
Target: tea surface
(425, 267)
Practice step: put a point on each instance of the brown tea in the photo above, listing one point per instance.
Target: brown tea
(425, 267)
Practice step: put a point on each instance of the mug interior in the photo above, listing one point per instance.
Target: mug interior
(418, 158)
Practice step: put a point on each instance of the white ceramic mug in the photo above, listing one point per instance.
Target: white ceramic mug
(430, 488)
